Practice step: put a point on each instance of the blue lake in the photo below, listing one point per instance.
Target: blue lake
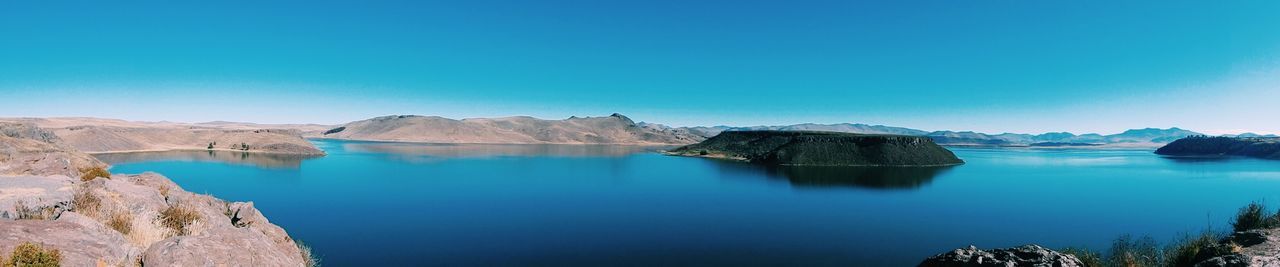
(378, 204)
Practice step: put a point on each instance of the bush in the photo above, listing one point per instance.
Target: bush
(1254, 216)
(90, 173)
(178, 218)
(1195, 249)
(1088, 257)
(121, 222)
(33, 213)
(311, 259)
(1129, 251)
(28, 254)
(85, 202)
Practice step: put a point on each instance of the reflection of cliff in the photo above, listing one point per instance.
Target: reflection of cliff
(850, 177)
(264, 160)
(483, 151)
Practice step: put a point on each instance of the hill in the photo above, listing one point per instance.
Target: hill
(1147, 137)
(94, 135)
(613, 129)
(1257, 147)
(802, 148)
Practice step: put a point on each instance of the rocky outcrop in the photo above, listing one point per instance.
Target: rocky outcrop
(798, 148)
(1259, 247)
(27, 150)
(613, 129)
(1026, 255)
(1199, 146)
(128, 220)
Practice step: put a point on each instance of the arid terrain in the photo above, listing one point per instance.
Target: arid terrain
(613, 129)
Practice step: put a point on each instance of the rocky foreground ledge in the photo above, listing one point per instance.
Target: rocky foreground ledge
(805, 148)
(1256, 247)
(59, 206)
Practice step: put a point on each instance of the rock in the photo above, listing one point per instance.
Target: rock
(1026, 255)
(81, 241)
(222, 247)
(35, 192)
(21, 156)
(1259, 247)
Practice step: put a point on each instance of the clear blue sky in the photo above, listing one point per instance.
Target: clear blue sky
(992, 66)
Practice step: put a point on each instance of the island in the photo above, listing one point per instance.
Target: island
(1218, 146)
(807, 148)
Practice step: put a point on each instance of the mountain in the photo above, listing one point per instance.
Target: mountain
(1147, 137)
(612, 129)
(806, 148)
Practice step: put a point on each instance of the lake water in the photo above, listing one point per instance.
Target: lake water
(379, 204)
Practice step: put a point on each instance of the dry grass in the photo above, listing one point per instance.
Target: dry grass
(85, 202)
(121, 222)
(93, 173)
(311, 259)
(33, 255)
(32, 213)
(178, 218)
(164, 191)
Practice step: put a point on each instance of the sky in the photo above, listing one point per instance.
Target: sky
(988, 66)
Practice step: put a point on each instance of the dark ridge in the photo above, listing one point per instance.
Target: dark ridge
(335, 130)
(802, 148)
(1257, 147)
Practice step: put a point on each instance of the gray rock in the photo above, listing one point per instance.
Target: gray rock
(1259, 247)
(1026, 255)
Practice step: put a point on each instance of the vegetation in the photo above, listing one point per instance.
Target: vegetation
(85, 202)
(91, 173)
(121, 222)
(33, 255)
(1254, 216)
(210, 146)
(335, 130)
(310, 259)
(1127, 251)
(25, 212)
(178, 218)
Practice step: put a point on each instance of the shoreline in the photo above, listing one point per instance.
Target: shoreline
(474, 143)
(199, 149)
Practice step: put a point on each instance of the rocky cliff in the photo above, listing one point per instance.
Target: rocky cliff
(1257, 147)
(613, 129)
(1027, 255)
(124, 220)
(800, 148)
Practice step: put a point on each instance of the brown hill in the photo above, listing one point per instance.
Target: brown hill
(613, 129)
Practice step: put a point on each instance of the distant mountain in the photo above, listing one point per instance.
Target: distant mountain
(612, 129)
(1135, 137)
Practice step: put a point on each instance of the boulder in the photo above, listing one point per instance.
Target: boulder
(1026, 255)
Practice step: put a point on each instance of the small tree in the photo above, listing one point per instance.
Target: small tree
(210, 146)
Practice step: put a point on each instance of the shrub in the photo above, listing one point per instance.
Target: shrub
(1129, 251)
(311, 259)
(28, 254)
(1088, 257)
(121, 222)
(90, 173)
(1254, 216)
(178, 218)
(1195, 249)
(85, 202)
(32, 213)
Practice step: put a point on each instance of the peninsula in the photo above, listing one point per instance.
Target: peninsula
(804, 148)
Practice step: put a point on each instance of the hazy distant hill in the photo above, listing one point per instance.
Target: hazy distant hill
(1136, 137)
(613, 129)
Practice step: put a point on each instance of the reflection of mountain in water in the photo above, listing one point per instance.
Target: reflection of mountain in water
(857, 177)
(264, 160)
(417, 150)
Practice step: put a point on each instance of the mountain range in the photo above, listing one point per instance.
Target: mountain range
(1134, 137)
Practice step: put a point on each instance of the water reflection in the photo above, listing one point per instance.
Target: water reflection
(263, 160)
(881, 178)
(435, 152)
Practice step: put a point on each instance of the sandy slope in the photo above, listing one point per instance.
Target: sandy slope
(95, 135)
(613, 129)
